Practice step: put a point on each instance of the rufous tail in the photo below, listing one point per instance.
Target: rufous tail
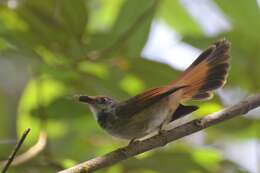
(207, 73)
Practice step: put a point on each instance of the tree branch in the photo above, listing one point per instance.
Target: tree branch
(17, 147)
(162, 139)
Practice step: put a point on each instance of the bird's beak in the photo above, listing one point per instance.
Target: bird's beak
(87, 99)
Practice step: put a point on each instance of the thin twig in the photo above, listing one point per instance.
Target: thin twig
(32, 151)
(162, 139)
(17, 147)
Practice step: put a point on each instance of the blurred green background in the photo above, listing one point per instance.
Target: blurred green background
(53, 49)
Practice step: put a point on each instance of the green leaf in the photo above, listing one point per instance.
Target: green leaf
(35, 95)
(130, 31)
(238, 128)
(96, 69)
(135, 25)
(132, 85)
(208, 158)
(165, 161)
(243, 21)
(152, 73)
(126, 18)
(67, 163)
(103, 14)
(207, 108)
(74, 16)
(11, 21)
(174, 13)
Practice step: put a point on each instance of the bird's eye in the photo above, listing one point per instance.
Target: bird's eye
(103, 100)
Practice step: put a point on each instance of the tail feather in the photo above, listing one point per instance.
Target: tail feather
(207, 73)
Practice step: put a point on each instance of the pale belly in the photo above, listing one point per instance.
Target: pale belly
(145, 122)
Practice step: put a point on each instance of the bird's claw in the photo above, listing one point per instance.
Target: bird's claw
(161, 132)
(132, 141)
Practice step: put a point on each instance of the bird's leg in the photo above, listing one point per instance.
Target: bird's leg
(162, 132)
(161, 128)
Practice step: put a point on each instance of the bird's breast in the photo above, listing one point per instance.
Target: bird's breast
(102, 118)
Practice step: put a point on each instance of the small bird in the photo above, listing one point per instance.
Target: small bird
(151, 110)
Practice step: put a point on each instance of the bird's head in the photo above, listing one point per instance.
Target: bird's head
(98, 104)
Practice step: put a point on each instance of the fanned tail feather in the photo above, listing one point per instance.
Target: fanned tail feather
(207, 73)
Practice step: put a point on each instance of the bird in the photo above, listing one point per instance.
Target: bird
(152, 110)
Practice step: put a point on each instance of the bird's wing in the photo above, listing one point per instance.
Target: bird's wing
(141, 101)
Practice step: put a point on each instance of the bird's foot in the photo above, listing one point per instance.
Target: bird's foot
(132, 141)
(161, 132)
